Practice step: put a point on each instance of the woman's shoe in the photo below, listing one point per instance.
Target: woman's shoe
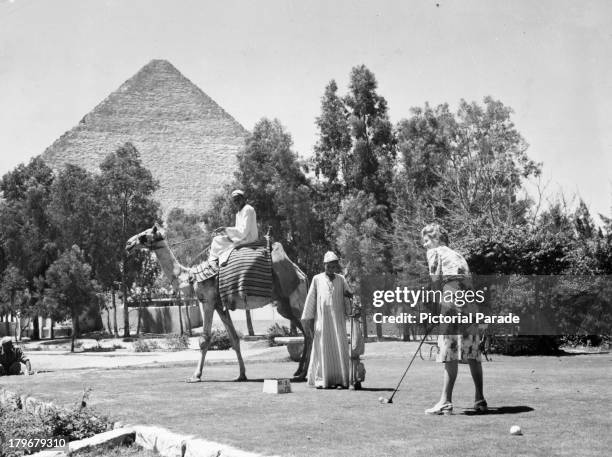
(441, 408)
(481, 406)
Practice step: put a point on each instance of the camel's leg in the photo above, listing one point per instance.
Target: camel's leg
(285, 310)
(234, 339)
(302, 371)
(207, 311)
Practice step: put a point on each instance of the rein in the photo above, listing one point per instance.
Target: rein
(184, 241)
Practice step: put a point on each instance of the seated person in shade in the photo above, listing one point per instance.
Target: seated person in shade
(11, 359)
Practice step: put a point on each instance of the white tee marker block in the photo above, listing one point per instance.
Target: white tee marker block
(277, 386)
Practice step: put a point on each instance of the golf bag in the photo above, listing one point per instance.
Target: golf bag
(356, 350)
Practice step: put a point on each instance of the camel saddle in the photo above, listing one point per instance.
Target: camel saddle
(210, 268)
(247, 273)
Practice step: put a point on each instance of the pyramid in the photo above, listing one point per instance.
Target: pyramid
(187, 141)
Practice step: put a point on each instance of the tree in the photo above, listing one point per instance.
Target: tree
(371, 160)
(275, 185)
(13, 287)
(126, 190)
(27, 238)
(144, 284)
(354, 159)
(186, 232)
(333, 147)
(464, 169)
(73, 209)
(71, 290)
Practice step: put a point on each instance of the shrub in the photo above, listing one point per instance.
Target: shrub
(524, 345)
(17, 423)
(584, 340)
(100, 349)
(176, 342)
(276, 330)
(74, 424)
(145, 346)
(220, 340)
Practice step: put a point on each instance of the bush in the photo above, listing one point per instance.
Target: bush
(524, 345)
(177, 342)
(584, 340)
(99, 349)
(276, 330)
(145, 346)
(74, 424)
(15, 423)
(220, 340)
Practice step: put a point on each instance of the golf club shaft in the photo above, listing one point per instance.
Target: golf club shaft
(410, 364)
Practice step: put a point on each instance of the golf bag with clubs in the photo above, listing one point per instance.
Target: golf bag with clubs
(356, 349)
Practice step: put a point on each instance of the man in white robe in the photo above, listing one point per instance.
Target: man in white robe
(325, 313)
(244, 231)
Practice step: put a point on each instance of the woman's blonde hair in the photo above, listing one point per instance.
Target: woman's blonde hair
(436, 231)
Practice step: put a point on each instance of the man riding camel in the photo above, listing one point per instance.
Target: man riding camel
(244, 231)
(227, 238)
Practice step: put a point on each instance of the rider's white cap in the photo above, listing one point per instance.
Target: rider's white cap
(237, 193)
(330, 256)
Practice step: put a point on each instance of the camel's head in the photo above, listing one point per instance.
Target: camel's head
(149, 239)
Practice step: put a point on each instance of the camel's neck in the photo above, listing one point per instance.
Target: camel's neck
(174, 271)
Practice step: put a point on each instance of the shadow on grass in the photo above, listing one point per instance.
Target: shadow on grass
(500, 410)
(571, 354)
(297, 381)
(204, 381)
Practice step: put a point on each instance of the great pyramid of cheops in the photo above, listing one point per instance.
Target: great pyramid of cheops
(186, 139)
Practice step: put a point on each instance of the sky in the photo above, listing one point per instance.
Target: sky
(550, 60)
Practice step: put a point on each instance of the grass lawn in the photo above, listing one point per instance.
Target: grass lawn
(561, 403)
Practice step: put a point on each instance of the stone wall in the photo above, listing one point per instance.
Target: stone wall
(155, 319)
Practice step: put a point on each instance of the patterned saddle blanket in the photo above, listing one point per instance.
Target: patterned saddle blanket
(248, 272)
(204, 271)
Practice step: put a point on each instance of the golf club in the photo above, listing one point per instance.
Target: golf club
(390, 399)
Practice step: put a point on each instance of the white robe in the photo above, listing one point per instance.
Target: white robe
(327, 305)
(244, 232)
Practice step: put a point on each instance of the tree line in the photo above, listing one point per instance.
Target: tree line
(63, 236)
(371, 186)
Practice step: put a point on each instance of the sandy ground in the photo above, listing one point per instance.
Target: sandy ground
(55, 360)
(57, 356)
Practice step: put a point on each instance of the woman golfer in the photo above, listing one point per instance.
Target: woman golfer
(449, 267)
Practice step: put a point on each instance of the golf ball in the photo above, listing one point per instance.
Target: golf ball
(515, 430)
(381, 399)
(385, 400)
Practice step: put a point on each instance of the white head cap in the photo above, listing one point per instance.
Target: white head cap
(6, 340)
(330, 256)
(237, 193)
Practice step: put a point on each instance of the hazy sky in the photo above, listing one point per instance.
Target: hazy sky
(550, 61)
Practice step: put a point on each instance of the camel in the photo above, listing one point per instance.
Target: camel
(289, 306)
